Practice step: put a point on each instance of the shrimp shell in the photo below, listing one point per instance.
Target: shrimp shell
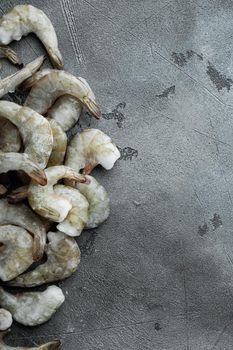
(10, 140)
(11, 82)
(77, 217)
(98, 199)
(20, 215)
(35, 131)
(44, 201)
(59, 144)
(16, 251)
(57, 83)
(90, 148)
(32, 308)
(53, 345)
(63, 258)
(5, 320)
(3, 190)
(24, 19)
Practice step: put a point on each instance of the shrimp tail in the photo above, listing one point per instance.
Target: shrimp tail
(55, 58)
(3, 190)
(53, 345)
(88, 168)
(53, 214)
(18, 195)
(11, 55)
(92, 107)
(39, 176)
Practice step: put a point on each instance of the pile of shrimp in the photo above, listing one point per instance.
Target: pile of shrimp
(53, 196)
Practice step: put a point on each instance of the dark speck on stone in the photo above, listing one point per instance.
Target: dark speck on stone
(218, 79)
(116, 114)
(157, 326)
(179, 58)
(182, 59)
(167, 92)
(202, 230)
(127, 153)
(216, 221)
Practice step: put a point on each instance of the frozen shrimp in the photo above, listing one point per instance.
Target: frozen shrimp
(32, 308)
(10, 140)
(90, 148)
(9, 83)
(57, 83)
(24, 19)
(35, 131)
(59, 144)
(20, 215)
(63, 258)
(66, 110)
(77, 217)
(53, 345)
(47, 203)
(16, 251)
(98, 199)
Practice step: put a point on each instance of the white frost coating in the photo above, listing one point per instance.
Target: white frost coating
(99, 203)
(15, 251)
(10, 83)
(44, 201)
(32, 308)
(77, 217)
(24, 19)
(63, 258)
(56, 84)
(90, 148)
(5, 320)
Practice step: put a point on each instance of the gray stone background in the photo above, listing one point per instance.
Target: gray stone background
(158, 275)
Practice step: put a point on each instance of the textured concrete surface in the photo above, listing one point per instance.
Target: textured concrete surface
(158, 275)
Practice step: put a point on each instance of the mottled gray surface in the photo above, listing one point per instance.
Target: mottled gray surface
(158, 275)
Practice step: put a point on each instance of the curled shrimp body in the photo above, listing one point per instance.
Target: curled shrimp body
(59, 144)
(5, 320)
(53, 345)
(63, 258)
(36, 135)
(16, 251)
(98, 199)
(32, 308)
(90, 148)
(11, 82)
(77, 217)
(24, 19)
(10, 140)
(57, 83)
(20, 215)
(66, 110)
(45, 201)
